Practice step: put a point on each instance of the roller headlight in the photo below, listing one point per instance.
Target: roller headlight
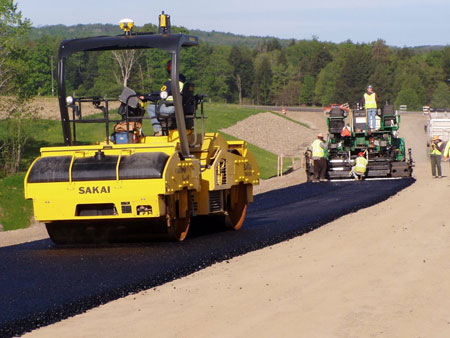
(69, 100)
(164, 95)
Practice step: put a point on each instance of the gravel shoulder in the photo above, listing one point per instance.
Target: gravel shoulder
(34, 233)
(273, 132)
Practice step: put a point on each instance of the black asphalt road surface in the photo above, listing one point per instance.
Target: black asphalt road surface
(41, 284)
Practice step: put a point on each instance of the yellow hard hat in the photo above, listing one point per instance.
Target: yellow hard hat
(435, 138)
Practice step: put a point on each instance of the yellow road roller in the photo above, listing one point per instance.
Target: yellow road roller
(133, 187)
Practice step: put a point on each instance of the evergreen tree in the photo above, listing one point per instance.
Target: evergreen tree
(441, 96)
(356, 70)
(415, 83)
(412, 94)
(307, 90)
(407, 96)
(320, 59)
(241, 61)
(218, 74)
(327, 82)
(280, 80)
(404, 53)
(382, 82)
(263, 82)
(445, 63)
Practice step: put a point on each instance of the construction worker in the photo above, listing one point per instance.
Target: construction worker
(436, 150)
(360, 167)
(165, 109)
(320, 163)
(370, 100)
(446, 151)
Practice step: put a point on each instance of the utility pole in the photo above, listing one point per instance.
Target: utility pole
(53, 87)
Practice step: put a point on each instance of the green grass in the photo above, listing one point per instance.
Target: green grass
(15, 211)
(267, 161)
(222, 116)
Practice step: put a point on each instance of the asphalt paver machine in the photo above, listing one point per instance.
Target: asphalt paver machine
(388, 157)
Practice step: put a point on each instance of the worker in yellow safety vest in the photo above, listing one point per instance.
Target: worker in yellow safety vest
(360, 167)
(447, 151)
(370, 100)
(166, 108)
(436, 150)
(319, 156)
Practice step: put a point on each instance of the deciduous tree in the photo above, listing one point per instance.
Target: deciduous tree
(13, 27)
(441, 96)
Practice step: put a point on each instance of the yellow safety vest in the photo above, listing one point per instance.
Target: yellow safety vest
(447, 149)
(317, 150)
(170, 98)
(436, 151)
(361, 164)
(370, 101)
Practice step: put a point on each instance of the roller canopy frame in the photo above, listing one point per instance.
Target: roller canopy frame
(171, 43)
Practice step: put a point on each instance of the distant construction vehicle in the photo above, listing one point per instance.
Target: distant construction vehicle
(438, 124)
(388, 157)
(131, 187)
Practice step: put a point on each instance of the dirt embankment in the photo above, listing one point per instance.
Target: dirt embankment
(279, 135)
(275, 133)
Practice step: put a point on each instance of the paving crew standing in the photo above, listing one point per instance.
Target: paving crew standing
(319, 156)
(370, 100)
(436, 149)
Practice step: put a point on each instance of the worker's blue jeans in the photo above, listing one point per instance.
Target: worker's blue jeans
(152, 113)
(371, 118)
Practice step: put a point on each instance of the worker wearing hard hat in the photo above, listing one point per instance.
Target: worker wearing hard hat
(320, 163)
(437, 147)
(360, 167)
(370, 100)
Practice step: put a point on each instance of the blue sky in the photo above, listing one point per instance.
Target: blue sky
(398, 22)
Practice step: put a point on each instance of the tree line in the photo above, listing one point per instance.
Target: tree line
(270, 72)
